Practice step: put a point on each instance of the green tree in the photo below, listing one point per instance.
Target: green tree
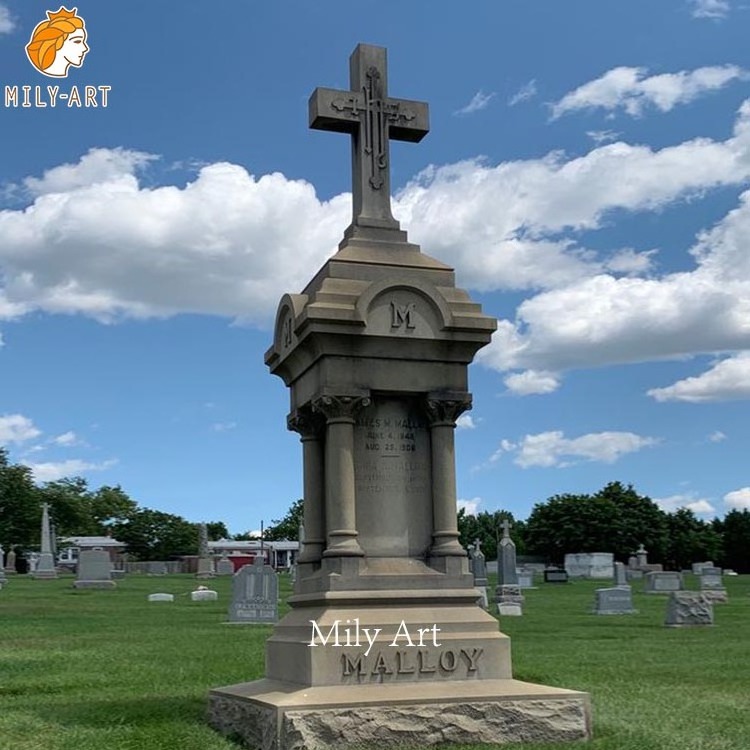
(690, 540)
(734, 529)
(616, 519)
(153, 535)
(288, 526)
(216, 530)
(20, 505)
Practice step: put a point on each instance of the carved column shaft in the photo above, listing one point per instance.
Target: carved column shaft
(443, 412)
(340, 495)
(310, 426)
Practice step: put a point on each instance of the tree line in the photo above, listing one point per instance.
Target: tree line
(76, 510)
(616, 519)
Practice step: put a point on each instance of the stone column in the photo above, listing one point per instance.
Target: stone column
(310, 426)
(45, 567)
(340, 507)
(443, 409)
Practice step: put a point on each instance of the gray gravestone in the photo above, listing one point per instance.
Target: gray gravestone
(663, 582)
(255, 594)
(642, 556)
(382, 543)
(224, 567)
(205, 561)
(203, 594)
(620, 574)
(589, 565)
(555, 575)
(10, 562)
(156, 568)
(478, 565)
(159, 597)
(2, 565)
(94, 570)
(525, 578)
(506, 559)
(688, 608)
(45, 564)
(614, 601)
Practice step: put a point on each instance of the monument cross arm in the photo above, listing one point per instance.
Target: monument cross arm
(372, 118)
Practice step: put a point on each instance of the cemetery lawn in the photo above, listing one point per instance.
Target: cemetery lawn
(106, 670)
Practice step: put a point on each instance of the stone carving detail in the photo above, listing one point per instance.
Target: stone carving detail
(306, 422)
(445, 411)
(246, 721)
(430, 724)
(340, 408)
(689, 608)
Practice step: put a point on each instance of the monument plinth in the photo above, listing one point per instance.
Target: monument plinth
(385, 626)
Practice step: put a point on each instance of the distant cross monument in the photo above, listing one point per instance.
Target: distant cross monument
(372, 118)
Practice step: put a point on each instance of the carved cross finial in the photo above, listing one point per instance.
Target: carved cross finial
(506, 528)
(372, 118)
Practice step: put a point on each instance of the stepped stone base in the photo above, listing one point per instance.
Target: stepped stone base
(272, 715)
(94, 585)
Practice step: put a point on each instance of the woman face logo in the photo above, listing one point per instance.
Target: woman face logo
(58, 43)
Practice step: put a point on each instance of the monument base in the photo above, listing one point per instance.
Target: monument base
(94, 584)
(272, 715)
(44, 574)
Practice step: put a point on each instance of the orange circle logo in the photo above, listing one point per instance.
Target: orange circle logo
(58, 43)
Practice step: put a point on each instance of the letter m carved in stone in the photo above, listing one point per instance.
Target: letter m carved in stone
(403, 315)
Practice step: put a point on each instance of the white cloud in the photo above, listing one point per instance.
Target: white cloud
(6, 22)
(470, 506)
(738, 499)
(531, 382)
(553, 449)
(689, 501)
(223, 426)
(66, 439)
(710, 8)
(717, 437)
(526, 92)
(602, 136)
(479, 101)
(466, 422)
(727, 380)
(632, 90)
(51, 471)
(15, 428)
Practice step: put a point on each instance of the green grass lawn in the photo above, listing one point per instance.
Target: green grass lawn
(106, 670)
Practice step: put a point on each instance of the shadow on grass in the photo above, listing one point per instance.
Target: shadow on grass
(108, 712)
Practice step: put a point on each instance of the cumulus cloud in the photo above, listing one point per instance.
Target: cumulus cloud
(553, 449)
(727, 380)
(15, 428)
(50, 471)
(466, 422)
(710, 8)
(95, 240)
(717, 437)
(633, 90)
(6, 21)
(223, 426)
(470, 506)
(478, 102)
(738, 499)
(526, 92)
(602, 136)
(66, 439)
(689, 501)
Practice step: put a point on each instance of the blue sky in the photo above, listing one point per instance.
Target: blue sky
(587, 173)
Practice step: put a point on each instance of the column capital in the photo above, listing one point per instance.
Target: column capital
(306, 421)
(340, 407)
(445, 407)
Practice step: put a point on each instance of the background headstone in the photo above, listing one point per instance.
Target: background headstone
(224, 567)
(663, 582)
(205, 561)
(555, 575)
(620, 574)
(202, 594)
(10, 562)
(614, 601)
(589, 565)
(255, 594)
(506, 559)
(161, 597)
(94, 570)
(525, 578)
(688, 608)
(478, 565)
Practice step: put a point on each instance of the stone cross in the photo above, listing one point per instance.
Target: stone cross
(506, 529)
(372, 118)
